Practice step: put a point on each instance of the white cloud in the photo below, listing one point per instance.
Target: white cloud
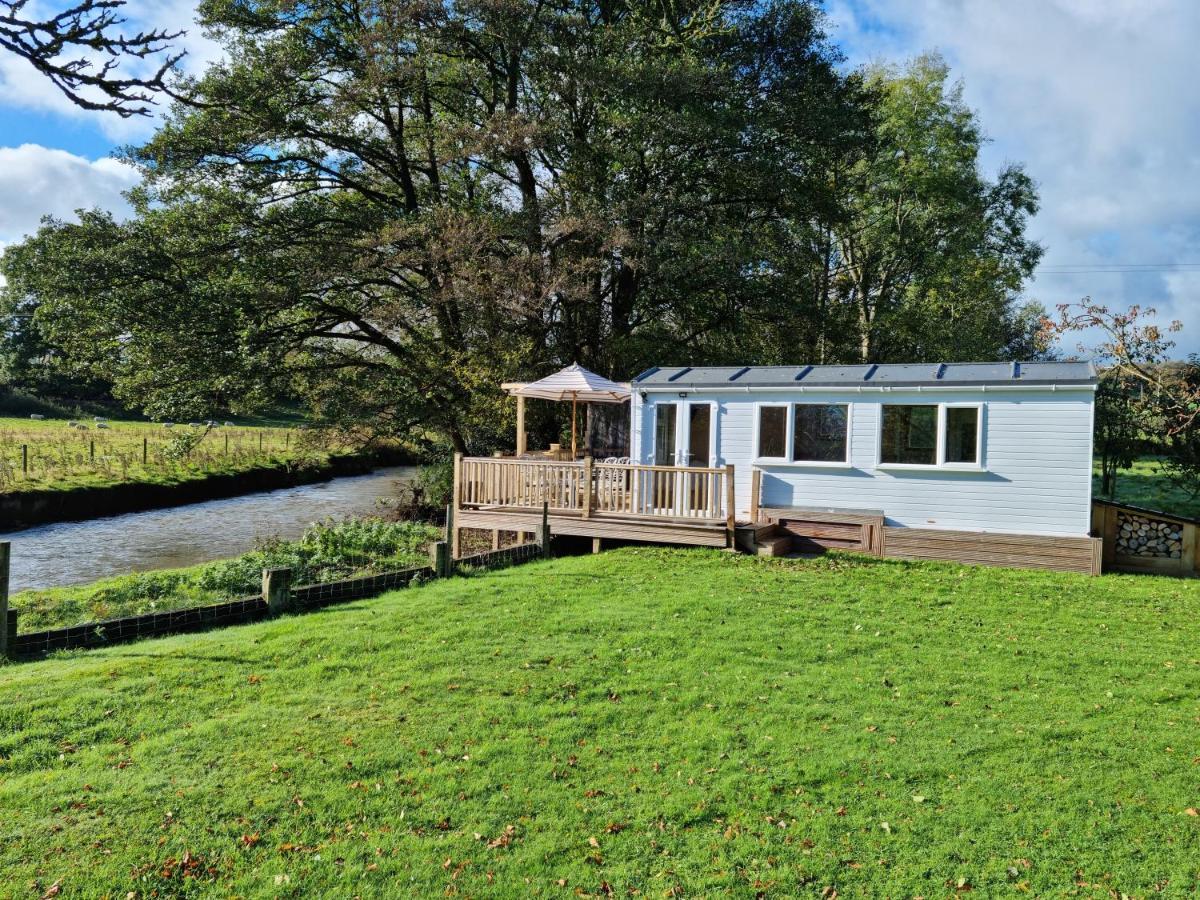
(37, 181)
(1097, 98)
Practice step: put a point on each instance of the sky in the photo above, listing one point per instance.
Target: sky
(1096, 98)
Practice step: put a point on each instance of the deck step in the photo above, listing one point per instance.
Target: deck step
(775, 545)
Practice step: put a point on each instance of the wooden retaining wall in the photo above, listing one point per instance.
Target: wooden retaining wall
(1060, 554)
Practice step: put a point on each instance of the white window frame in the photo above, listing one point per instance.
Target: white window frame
(790, 435)
(940, 463)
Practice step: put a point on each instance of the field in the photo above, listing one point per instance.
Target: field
(1146, 485)
(50, 455)
(644, 722)
(325, 552)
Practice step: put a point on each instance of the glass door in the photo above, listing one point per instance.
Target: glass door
(699, 435)
(665, 415)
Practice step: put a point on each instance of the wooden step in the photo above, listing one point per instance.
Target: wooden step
(750, 535)
(777, 545)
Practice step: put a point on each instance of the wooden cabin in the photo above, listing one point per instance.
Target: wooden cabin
(983, 463)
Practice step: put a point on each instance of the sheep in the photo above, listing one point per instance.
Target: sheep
(36, 416)
(101, 424)
(168, 424)
(72, 424)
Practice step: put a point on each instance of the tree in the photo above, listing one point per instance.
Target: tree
(81, 47)
(399, 206)
(1145, 399)
(928, 255)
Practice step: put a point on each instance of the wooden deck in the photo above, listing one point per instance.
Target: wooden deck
(696, 507)
(659, 504)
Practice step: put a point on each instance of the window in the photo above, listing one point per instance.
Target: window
(772, 432)
(962, 434)
(931, 435)
(909, 435)
(819, 432)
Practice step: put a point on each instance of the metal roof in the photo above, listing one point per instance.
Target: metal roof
(870, 375)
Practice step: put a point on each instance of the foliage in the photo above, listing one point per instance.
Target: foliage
(390, 212)
(325, 552)
(80, 48)
(1146, 400)
(670, 722)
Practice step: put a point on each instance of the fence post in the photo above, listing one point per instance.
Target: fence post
(7, 631)
(24, 459)
(543, 532)
(146, 450)
(440, 559)
(277, 590)
(92, 451)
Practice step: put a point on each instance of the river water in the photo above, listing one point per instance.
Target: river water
(78, 552)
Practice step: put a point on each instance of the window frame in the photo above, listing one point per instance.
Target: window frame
(789, 436)
(787, 423)
(940, 463)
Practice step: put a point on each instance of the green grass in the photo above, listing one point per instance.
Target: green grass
(62, 458)
(644, 720)
(1145, 484)
(325, 552)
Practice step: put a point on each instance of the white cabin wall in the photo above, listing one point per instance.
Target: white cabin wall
(1037, 459)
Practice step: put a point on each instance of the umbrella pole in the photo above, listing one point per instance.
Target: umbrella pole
(574, 446)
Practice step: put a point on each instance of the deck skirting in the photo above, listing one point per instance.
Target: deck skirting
(597, 526)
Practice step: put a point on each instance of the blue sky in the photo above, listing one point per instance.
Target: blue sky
(1096, 98)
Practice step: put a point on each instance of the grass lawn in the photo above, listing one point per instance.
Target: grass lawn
(60, 457)
(666, 722)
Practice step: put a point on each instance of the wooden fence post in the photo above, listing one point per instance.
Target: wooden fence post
(24, 459)
(440, 559)
(277, 590)
(5, 634)
(146, 448)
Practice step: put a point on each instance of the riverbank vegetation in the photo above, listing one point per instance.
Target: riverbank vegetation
(665, 722)
(54, 454)
(325, 552)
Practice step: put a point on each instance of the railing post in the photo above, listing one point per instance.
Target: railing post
(277, 590)
(455, 503)
(6, 635)
(587, 486)
(730, 503)
(755, 493)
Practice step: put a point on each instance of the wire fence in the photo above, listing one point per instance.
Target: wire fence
(278, 596)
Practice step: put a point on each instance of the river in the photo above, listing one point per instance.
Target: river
(78, 552)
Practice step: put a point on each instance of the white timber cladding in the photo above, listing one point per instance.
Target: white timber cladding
(1034, 474)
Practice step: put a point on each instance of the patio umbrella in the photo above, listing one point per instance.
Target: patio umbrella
(574, 383)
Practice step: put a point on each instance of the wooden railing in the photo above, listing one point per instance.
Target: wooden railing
(588, 488)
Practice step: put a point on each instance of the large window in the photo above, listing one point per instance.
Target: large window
(929, 435)
(772, 432)
(804, 433)
(820, 432)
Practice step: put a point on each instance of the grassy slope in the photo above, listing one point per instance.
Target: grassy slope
(716, 724)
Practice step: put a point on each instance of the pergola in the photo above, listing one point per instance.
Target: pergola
(574, 383)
